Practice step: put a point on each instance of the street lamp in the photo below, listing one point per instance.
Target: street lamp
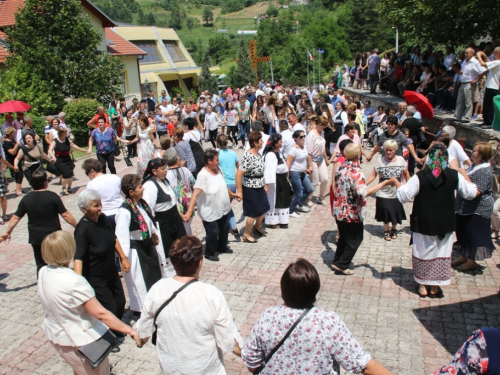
(397, 38)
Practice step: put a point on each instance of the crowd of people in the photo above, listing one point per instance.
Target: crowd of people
(139, 225)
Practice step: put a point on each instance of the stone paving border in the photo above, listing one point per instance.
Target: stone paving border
(378, 303)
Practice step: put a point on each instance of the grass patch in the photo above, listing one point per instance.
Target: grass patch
(78, 154)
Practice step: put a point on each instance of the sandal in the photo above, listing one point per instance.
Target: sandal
(387, 236)
(422, 295)
(439, 294)
(338, 271)
(245, 239)
(394, 234)
(64, 192)
(261, 233)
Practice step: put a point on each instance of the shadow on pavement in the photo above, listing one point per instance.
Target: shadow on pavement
(327, 239)
(401, 276)
(4, 289)
(452, 324)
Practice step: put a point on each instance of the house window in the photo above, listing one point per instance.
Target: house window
(152, 54)
(123, 86)
(174, 50)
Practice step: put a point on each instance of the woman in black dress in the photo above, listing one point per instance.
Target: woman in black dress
(60, 150)
(96, 244)
(11, 148)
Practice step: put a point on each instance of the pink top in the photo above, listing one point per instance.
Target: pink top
(355, 139)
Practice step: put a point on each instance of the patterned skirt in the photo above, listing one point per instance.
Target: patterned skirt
(432, 259)
(3, 186)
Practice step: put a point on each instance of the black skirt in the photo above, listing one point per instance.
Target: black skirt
(65, 165)
(171, 227)
(283, 196)
(474, 237)
(255, 202)
(389, 210)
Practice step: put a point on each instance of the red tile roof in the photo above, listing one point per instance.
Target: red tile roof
(3, 52)
(121, 46)
(8, 9)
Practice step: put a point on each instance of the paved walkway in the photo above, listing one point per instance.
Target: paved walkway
(409, 335)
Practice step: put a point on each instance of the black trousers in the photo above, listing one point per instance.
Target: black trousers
(217, 235)
(213, 137)
(131, 149)
(232, 133)
(37, 251)
(109, 159)
(111, 296)
(351, 236)
(488, 111)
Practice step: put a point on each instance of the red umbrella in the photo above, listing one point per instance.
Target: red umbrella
(421, 102)
(14, 106)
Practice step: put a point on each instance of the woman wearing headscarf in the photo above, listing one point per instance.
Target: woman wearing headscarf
(474, 217)
(163, 202)
(138, 236)
(432, 220)
(276, 178)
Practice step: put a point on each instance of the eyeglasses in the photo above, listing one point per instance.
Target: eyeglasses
(301, 136)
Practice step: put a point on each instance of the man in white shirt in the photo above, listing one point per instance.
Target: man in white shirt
(455, 149)
(450, 58)
(166, 108)
(211, 124)
(492, 84)
(469, 76)
(294, 123)
(287, 137)
(257, 126)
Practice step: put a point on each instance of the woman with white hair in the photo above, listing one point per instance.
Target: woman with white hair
(96, 245)
(455, 149)
(388, 207)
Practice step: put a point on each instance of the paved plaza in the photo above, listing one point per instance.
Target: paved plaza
(409, 335)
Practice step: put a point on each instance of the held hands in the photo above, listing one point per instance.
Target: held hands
(136, 338)
(369, 158)
(392, 181)
(4, 237)
(155, 239)
(125, 265)
(16, 169)
(236, 349)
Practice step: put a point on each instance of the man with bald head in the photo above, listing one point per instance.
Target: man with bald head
(468, 93)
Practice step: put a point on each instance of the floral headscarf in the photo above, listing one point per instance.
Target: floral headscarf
(437, 160)
(143, 226)
(270, 145)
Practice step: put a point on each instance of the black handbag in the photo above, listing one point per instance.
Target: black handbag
(275, 349)
(117, 149)
(153, 338)
(97, 351)
(126, 157)
(421, 135)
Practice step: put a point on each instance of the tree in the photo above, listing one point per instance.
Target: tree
(242, 73)
(272, 11)
(208, 15)
(207, 81)
(54, 48)
(220, 46)
(431, 22)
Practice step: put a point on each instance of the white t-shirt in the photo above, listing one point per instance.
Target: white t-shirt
(108, 187)
(230, 117)
(192, 135)
(288, 142)
(213, 202)
(455, 149)
(167, 109)
(493, 78)
(299, 163)
(151, 196)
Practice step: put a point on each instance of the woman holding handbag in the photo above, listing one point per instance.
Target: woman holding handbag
(69, 304)
(325, 343)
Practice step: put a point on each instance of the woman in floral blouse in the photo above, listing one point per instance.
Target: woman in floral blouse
(319, 344)
(250, 185)
(349, 207)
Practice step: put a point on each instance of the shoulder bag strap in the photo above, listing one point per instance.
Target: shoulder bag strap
(275, 349)
(26, 153)
(171, 298)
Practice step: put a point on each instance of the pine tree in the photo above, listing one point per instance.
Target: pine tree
(207, 81)
(55, 47)
(242, 73)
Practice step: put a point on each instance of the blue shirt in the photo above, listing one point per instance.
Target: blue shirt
(104, 142)
(227, 163)
(160, 126)
(369, 111)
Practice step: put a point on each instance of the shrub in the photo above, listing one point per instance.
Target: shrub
(39, 124)
(78, 113)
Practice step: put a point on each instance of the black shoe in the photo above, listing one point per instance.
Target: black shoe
(465, 121)
(235, 232)
(284, 226)
(212, 257)
(227, 251)
(116, 349)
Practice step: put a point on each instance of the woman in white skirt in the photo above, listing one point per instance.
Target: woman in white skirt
(276, 177)
(432, 221)
(140, 241)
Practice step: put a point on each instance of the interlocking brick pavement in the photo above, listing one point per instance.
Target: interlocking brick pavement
(407, 334)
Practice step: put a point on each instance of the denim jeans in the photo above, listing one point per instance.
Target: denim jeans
(302, 188)
(232, 219)
(243, 130)
(217, 234)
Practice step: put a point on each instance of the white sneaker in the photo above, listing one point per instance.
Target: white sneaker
(302, 209)
(295, 215)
